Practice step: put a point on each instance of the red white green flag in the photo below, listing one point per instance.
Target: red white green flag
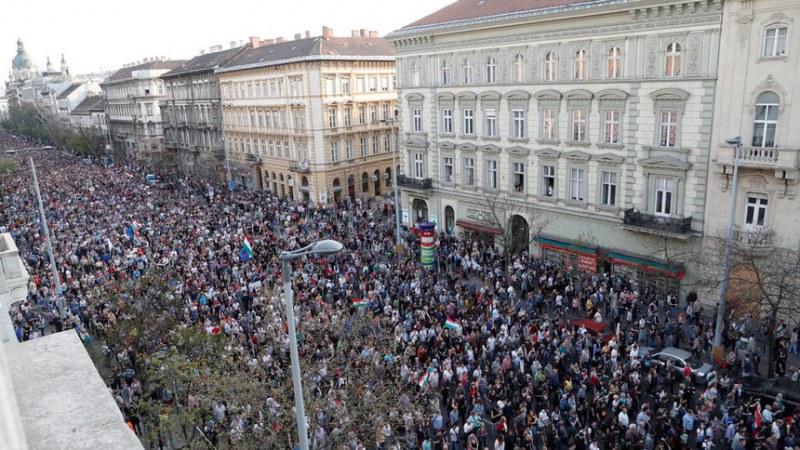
(246, 246)
(451, 324)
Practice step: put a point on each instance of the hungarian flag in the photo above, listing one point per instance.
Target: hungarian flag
(451, 324)
(358, 303)
(423, 380)
(780, 329)
(758, 415)
(246, 247)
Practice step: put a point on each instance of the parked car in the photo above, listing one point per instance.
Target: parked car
(48, 147)
(770, 388)
(680, 359)
(593, 327)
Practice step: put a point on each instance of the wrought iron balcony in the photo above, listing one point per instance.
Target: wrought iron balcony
(299, 166)
(651, 223)
(414, 183)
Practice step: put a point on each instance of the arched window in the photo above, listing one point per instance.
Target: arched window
(466, 71)
(388, 177)
(775, 41)
(581, 64)
(519, 69)
(491, 70)
(414, 74)
(614, 63)
(364, 183)
(549, 67)
(672, 67)
(445, 72)
(765, 120)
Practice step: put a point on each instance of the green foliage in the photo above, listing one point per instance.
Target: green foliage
(37, 123)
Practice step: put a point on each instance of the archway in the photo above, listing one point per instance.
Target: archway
(337, 191)
(420, 208)
(449, 221)
(304, 189)
(364, 183)
(388, 177)
(351, 187)
(376, 178)
(283, 186)
(519, 234)
(290, 182)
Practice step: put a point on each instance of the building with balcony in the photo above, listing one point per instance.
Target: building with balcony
(312, 117)
(192, 114)
(132, 95)
(591, 119)
(757, 101)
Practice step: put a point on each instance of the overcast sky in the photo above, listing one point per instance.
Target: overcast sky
(95, 34)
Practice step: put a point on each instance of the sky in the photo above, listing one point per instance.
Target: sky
(102, 34)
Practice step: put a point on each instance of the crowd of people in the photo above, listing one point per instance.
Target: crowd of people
(506, 351)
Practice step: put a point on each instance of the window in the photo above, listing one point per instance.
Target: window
(518, 176)
(362, 115)
(360, 87)
(148, 109)
(611, 127)
(579, 125)
(447, 121)
(419, 167)
(332, 117)
(548, 181)
(549, 121)
(673, 60)
(448, 169)
(469, 171)
(348, 112)
(469, 122)
(350, 150)
(363, 143)
(385, 111)
(373, 113)
(519, 69)
(608, 188)
(518, 117)
(466, 71)
(549, 67)
(614, 63)
(414, 74)
(445, 73)
(491, 174)
(329, 86)
(345, 86)
(664, 187)
(387, 143)
(765, 121)
(384, 84)
(775, 41)
(334, 151)
(491, 70)
(375, 145)
(490, 122)
(416, 120)
(373, 84)
(756, 210)
(577, 179)
(581, 64)
(669, 129)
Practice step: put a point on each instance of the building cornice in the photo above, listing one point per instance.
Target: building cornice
(311, 58)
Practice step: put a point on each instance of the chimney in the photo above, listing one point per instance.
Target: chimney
(327, 33)
(363, 32)
(233, 44)
(373, 34)
(254, 41)
(308, 34)
(279, 40)
(354, 33)
(268, 41)
(298, 36)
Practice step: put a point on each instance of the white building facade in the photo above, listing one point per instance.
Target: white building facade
(591, 120)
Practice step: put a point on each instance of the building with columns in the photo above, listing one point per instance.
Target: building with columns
(312, 117)
(591, 120)
(132, 95)
(757, 100)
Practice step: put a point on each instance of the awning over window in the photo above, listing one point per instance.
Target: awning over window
(672, 270)
(478, 227)
(571, 248)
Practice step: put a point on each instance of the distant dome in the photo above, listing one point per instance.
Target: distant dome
(21, 61)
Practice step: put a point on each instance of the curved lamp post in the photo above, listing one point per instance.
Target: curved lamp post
(321, 248)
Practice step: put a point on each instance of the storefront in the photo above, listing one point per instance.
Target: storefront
(477, 231)
(661, 276)
(570, 256)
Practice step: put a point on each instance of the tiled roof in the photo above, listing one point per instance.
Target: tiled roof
(475, 9)
(315, 48)
(209, 61)
(69, 90)
(89, 104)
(127, 72)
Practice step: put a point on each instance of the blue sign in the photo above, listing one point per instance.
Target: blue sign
(231, 185)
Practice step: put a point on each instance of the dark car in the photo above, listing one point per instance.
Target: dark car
(593, 327)
(770, 388)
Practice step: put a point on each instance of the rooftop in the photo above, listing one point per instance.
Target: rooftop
(89, 104)
(208, 61)
(65, 93)
(126, 73)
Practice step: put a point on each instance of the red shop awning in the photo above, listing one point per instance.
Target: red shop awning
(478, 227)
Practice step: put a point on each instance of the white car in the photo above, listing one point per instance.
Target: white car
(680, 359)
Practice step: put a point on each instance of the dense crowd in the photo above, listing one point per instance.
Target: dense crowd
(511, 372)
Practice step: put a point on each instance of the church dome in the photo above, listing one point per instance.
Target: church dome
(21, 61)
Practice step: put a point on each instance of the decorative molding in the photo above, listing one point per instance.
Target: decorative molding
(668, 163)
(416, 142)
(415, 97)
(578, 94)
(445, 96)
(548, 153)
(769, 84)
(467, 147)
(548, 94)
(518, 95)
(447, 145)
(577, 155)
(669, 94)
(489, 148)
(518, 151)
(609, 158)
(466, 96)
(489, 96)
(611, 94)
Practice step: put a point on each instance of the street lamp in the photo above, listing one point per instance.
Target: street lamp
(321, 248)
(723, 290)
(394, 174)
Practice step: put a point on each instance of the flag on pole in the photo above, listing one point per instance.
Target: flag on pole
(358, 303)
(780, 329)
(246, 246)
(423, 380)
(758, 415)
(451, 324)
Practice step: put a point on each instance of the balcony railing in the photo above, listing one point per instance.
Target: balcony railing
(299, 166)
(761, 157)
(414, 183)
(657, 224)
(255, 159)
